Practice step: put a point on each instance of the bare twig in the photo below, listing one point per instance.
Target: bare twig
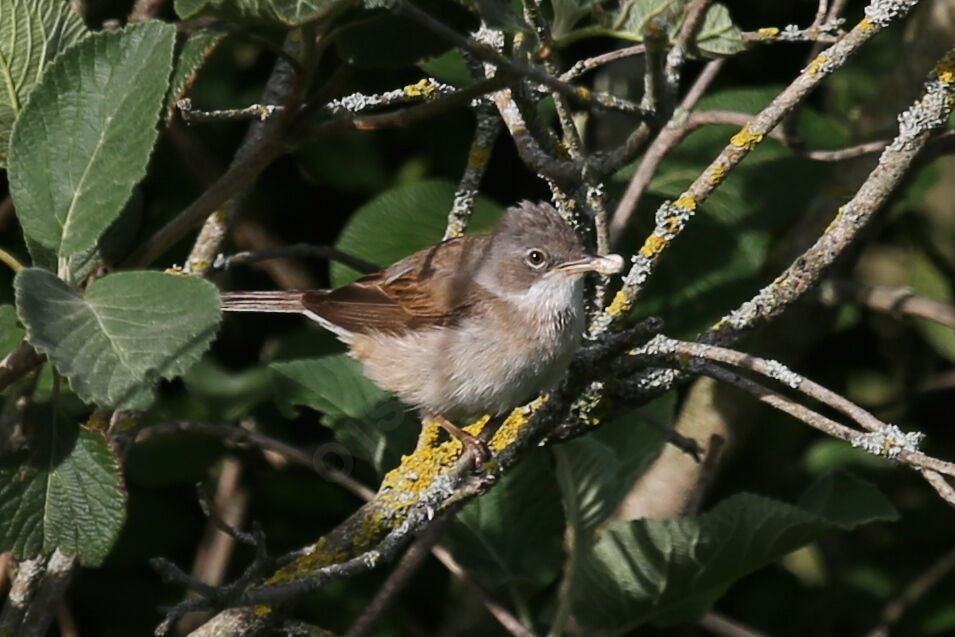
(707, 475)
(399, 578)
(725, 627)
(912, 593)
(17, 363)
(669, 136)
(589, 64)
(298, 250)
(486, 131)
(895, 301)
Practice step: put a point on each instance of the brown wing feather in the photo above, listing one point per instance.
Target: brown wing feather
(430, 287)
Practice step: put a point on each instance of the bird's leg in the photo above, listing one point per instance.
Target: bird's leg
(478, 448)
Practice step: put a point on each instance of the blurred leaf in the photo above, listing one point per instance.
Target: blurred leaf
(67, 194)
(367, 420)
(846, 501)
(129, 330)
(939, 622)
(403, 220)
(829, 454)
(665, 571)
(497, 14)
(281, 13)
(68, 495)
(393, 41)
(10, 331)
(567, 13)
(449, 67)
(32, 32)
(227, 395)
(192, 55)
(175, 459)
(513, 535)
(351, 162)
(926, 278)
(586, 472)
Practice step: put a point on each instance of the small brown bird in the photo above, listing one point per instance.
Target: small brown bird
(473, 325)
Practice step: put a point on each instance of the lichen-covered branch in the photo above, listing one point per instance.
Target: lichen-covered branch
(673, 216)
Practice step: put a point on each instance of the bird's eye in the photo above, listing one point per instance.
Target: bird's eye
(535, 258)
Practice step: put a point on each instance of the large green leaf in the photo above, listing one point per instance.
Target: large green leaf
(367, 420)
(665, 571)
(717, 35)
(513, 535)
(283, 13)
(83, 140)
(32, 32)
(403, 220)
(129, 330)
(67, 495)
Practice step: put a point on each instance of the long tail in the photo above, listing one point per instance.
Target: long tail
(279, 301)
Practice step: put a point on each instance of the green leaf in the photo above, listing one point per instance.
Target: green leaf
(448, 67)
(10, 332)
(129, 330)
(404, 220)
(32, 32)
(513, 535)
(282, 13)
(665, 571)
(67, 495)
(367, 420)
(586, 472)
(103, 96)
(226, 395)
(718, 35)
(193, 54)
(926, 278)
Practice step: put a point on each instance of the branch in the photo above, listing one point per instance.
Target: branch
(895, 301)
(486, 131)
(18, 363)
(298, 250)
(672, 217)
(912, 593)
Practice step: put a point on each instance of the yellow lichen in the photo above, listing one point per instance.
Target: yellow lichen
(717, 174)
(584, 93)
(686, 202)
(653, 245)
(619, 305)
(865, 24)
(422, 88)
(945, 69)
(315, 559)
(746, 138)
(684, 358)
(816, 64)
(672, 224)
(767, 33)
(262, 610)
(98, 422)
(515, 421)
(177, 270)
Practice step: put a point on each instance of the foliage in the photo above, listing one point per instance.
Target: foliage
(141, 388)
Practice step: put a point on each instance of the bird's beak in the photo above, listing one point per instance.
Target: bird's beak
(606, 265)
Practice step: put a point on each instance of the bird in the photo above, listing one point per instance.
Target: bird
(474, 325)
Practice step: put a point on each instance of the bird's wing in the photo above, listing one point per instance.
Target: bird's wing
(432, 287)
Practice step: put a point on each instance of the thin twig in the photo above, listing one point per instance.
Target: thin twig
(669, 136)
(672, 217)
(399, 578)
(706, 476)
(723, 626)
(894, 301)
(912, 593)
(298, 250)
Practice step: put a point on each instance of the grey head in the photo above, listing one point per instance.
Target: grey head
(532, 243)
